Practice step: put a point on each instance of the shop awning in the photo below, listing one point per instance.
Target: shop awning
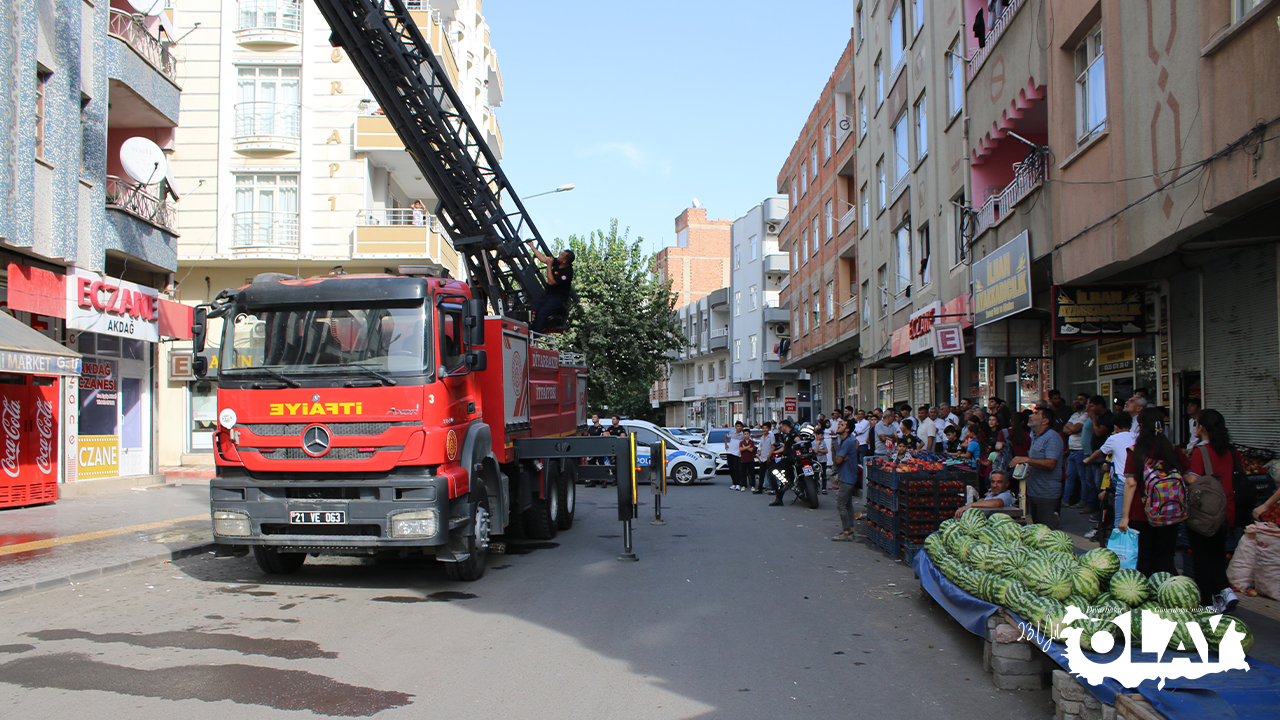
(23, 350)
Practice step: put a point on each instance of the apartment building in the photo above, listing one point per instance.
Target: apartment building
(1124, 201)
(88, 234)
(291, 166)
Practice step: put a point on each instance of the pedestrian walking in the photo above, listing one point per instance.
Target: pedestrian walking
(1044, 472)
(733, 448)
(1213, 457)
(847, 482)
(1152, 461)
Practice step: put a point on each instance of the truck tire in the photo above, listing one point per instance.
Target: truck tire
(473, 567)
(274, 562)
(568, 493)
(684, 474)
(542, 521)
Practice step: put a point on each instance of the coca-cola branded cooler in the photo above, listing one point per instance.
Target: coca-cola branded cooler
(28, 440)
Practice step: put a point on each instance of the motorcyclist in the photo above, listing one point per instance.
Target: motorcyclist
(784, 457)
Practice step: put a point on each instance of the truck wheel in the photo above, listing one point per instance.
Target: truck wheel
(684, 474)
(542, 521)
(568, 494)
(274, 562)
(473, 567)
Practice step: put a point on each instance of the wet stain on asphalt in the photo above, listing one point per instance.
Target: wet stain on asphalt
(214, 617)
(195, 640)
(288, 606)
(442, 596)
(499, 567)
(16, 648)
(609, 537)
(526, 548)
(673, 536)
(271, 619)
(246, 590)
(400, 599)
(243, 684)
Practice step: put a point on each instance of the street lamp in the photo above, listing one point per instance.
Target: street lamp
(563, 188)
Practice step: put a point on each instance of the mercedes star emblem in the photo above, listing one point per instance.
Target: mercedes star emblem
(315, 440)
(315, 398)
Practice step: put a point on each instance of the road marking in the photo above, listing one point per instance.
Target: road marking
(53, 542)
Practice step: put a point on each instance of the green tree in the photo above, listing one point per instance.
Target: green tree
(623, 322)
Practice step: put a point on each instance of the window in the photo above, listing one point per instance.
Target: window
(42, 82)
(866, 303)
(881, 190)
(699, 373)
(737, 257)
(1240, 8)
(754, 342)
(901, 149)
(711, 372)
(830, 221)
(794, 195)
(862, 114)
(882, 281)
(816, 235)
(737, 303)
(451, 350)
(866, 207)
(723, 374)
(804, 245)
(804, 318)
(795, 265)
(955, 79)
(957, 203)
(813, 161)
(1091, 86)
(902, 259)
(804, 178)
(879, 71)
(831, 300)
(267, 102)
(266, 212)
(857, 24)
(826, 140)
(926, 255)
(754, 242)
(917, 16)
(753, 295)
(816, 307)
(897, 35)
(737, 349)
(922, 128)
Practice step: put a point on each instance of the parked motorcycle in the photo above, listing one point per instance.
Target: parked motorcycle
(806, 471)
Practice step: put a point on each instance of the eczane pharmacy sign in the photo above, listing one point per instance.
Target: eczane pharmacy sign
(112, 307)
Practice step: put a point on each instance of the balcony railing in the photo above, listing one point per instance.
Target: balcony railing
(276, 119)
(1027, 176)
(847, 219)
(131, 32)
(994, 31)
(264, 232)
(270, 15)
(848, 308)
(393, 216)
(134, 199)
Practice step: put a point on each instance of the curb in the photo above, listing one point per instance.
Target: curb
(20, 590)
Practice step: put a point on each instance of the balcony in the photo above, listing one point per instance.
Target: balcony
(689, 392)
(777, 315)
(396, 233)
(848, 308)
(847, 219)
(129, 30)
(994, 31)
(719, 340)
(1027, 176)
(261, 234)
(493, 80)
(264, 23)
(493, 135)
(135, 200)
(778, 264)
(267, 127)
(718, 298)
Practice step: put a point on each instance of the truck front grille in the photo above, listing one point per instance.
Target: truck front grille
(336, 428)
(338, 453)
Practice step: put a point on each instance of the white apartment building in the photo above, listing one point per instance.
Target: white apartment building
(290, 165)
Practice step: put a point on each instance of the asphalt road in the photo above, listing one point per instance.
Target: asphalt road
(735, 610)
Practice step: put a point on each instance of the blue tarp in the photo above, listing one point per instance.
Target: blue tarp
(1228, 695)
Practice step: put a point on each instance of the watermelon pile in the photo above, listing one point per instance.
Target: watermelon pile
(1035, 572)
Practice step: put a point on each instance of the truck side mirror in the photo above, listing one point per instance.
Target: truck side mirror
(473, 323)
(200, 366)
(199, 327)
(476, 360)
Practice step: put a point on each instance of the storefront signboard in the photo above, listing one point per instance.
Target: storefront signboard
(1010, 339)
(789, 407)
(38, 364)
(1115, 358)
(948, 340)
(97, 456)
(920, 328)
(1105, 312)
(112, 307)
(1002, 281)
(181, 367)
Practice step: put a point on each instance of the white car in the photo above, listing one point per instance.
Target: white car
(685, 463)
(686, 436)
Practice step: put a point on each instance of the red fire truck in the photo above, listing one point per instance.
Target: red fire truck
(404, 414)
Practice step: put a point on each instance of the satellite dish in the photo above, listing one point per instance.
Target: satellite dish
(696, 204)
(143, 160)
(149, 8)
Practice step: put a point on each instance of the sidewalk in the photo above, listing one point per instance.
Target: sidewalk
(82, 537)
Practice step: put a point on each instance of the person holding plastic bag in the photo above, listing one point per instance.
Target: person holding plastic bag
(1153, 484)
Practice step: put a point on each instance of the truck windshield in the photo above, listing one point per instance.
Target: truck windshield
(324, 340)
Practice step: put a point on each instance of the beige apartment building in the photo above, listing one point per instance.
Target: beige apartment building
(289, 164)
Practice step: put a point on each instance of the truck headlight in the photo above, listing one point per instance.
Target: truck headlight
(705, 456)
(231, 523)
(415, 523)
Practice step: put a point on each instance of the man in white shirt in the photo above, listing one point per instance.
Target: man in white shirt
(1075, 458)
(928, 431)
(1117, 447)
(861, 433)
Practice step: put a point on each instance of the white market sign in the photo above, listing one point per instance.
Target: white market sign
(112, 307)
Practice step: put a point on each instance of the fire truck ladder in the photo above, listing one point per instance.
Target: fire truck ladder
(478, 207)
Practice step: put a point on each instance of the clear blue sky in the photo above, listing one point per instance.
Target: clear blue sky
(647, 105)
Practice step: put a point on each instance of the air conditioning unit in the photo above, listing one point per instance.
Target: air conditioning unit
(782, 330)
(771, 227)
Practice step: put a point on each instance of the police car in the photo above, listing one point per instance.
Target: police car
(685, 463)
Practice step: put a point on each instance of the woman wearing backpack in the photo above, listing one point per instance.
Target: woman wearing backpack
(1209, 552)
(1153, 462)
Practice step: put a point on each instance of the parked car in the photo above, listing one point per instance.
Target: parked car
(715, 443)
(685, 463)
(686, 436)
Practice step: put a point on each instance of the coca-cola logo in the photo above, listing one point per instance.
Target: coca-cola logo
(11, 421)
(44, 436)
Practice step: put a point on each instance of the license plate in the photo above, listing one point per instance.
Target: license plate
(808, 469)
(317, 517)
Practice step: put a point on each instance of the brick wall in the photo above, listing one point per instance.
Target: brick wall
(699, 264)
